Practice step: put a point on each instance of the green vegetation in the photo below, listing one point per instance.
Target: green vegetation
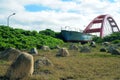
(114, 38)
(22, 39)
(49, 32)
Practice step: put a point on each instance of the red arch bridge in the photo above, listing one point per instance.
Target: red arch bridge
(103, 24)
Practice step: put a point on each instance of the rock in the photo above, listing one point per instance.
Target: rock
(57, 47)
(92, 44)
(33, 51)
(21, 68)
(63, 52)
(85, 49)
(73, 47)
(42, 62)
(67, 78)
(106, 43)
(116, 52)
(45, 48)
(111, 47)
(10, 54)
(118, 44)
(103, 50)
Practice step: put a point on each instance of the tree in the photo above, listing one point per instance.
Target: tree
(48, 32)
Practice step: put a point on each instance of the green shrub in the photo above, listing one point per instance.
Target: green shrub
(112, 37)
(22, 39)
(116, 41)
(98, 39)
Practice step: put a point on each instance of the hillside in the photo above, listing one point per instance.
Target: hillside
(23, 39)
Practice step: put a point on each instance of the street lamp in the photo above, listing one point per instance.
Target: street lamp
(9, 18)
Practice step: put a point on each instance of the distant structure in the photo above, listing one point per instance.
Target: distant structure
(102, 19)
(102, 24)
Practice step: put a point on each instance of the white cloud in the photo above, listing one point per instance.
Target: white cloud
(83, 12)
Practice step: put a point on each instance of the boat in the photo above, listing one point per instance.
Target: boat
(75, 36)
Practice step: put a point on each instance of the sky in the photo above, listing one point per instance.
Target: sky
(56, 14)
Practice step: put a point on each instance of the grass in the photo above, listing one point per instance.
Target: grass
(78, 66)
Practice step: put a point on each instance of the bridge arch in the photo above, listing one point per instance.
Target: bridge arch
(101, 19)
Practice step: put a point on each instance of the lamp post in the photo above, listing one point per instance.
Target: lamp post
(9, 18)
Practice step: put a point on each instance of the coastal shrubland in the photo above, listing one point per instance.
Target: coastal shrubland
(25, 39)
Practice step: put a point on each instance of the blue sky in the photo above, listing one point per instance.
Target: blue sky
(66, 0)
(40, 7)
(54, 14)
(36, 8)
(112, 0)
